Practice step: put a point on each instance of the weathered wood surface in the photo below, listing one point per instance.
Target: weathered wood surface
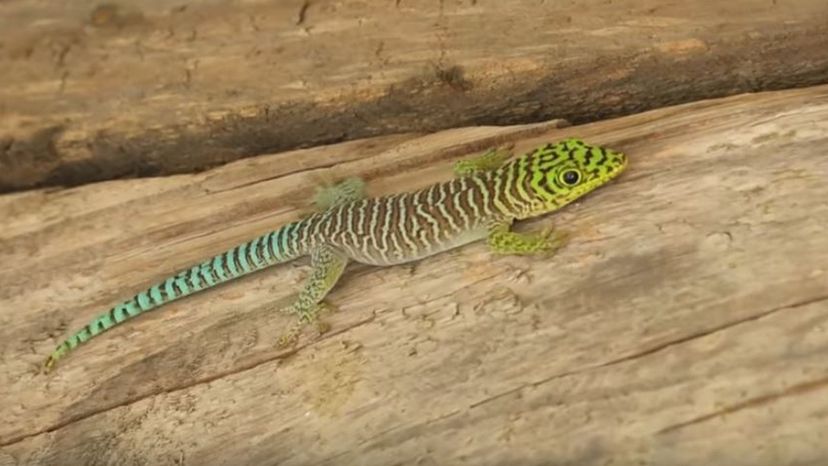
(685, 323)
(93, 90)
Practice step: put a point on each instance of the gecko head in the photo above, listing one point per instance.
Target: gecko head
(564, 171)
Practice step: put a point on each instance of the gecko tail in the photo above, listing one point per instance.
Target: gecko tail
(276, 247)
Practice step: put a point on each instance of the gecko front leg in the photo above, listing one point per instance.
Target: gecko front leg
(502, 240)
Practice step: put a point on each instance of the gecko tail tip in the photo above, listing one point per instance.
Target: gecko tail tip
(49, 363)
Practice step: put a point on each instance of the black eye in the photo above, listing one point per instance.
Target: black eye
(571, 177)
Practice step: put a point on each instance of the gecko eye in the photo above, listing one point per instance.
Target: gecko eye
(570, 177)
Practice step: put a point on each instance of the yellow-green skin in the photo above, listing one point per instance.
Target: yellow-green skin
(488, 194)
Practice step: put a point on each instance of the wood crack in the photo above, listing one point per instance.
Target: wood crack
(792, 391)
(653, 350)
(271, 178)
(697, 335)
(795, 390)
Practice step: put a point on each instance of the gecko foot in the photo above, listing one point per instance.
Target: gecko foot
(306, 318)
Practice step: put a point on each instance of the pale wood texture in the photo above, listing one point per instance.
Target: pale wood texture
(685, 323)
(93, 90)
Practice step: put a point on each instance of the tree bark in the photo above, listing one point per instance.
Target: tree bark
(684, 323)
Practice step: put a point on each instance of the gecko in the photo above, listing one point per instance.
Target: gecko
(482, 201)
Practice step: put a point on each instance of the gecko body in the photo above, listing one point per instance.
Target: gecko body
(488, 194)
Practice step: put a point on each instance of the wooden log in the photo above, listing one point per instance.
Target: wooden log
(684, 323)
(99, 90)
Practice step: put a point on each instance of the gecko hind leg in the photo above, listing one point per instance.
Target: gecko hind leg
(348, 190)
(327, 265)
(490, 160)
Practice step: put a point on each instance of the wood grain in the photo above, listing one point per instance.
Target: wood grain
(94, 90)
(685, 323)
